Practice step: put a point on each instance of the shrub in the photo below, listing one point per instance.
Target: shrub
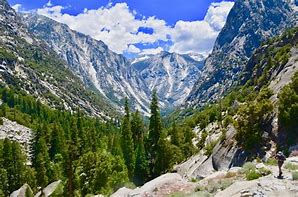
(214, 186)
(252, 175)
(231, 174)
(295, 175)
(291, 166)
(249, 166)
(264, 171)
(209, 148)
(271, 162)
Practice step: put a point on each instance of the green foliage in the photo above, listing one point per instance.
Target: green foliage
(271, 161)
(209, 148)
(142, 165)
(202, 140)
(288, 110)
(7, 56)
(127, 142)
(252, 175)
(249, 123)
(101, 172)
(274, 55)
(155, 132)
(295, 175)
(291, 166)
(249, 166)
(13, 169)
(61, 138)
(137, 128)
(215, 185)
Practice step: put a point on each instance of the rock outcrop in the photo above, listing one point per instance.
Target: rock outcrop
(162, 186)
(16, 132)
(24, 191)
(249, 23)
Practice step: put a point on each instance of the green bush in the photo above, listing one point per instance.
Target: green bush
(271, 162)
(288, 110)
(252, 175)
(291, 167)
(264, 171)
(295, 175)
(209, 148)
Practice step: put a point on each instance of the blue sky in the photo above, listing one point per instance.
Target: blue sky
(139, 27)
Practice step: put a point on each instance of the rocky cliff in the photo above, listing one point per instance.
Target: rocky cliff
(249, 23)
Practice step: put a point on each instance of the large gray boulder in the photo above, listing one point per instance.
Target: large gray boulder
(24, 191)
(161, 186)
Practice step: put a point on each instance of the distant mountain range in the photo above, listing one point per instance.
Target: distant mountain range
(177, 78)
(172, 75)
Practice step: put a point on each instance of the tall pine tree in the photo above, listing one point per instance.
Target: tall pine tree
(155, 131)
(127, 142)
(137, 128)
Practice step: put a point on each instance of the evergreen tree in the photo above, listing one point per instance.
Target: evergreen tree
(142, 166)
(127, 142)
(137, 128)
(42, 163)
(155, 130)
(176, 135)
(57, 141)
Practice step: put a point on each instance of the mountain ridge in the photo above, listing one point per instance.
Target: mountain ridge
(112, 74)
(249, 23)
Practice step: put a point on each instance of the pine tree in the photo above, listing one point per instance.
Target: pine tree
(7, 165)
(176, 135)
(137, 128)
(142, 166)
(57, 141)
(127, 142)
(155, 130)
(42, 162)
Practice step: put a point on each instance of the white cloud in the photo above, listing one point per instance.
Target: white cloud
(17, 7)
(217, 14)
(49, 3)
(117, 26)
(199, 36)
(133, 49)
(151, 51)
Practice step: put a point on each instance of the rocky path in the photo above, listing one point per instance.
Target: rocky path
(174, 184)
(267, 186)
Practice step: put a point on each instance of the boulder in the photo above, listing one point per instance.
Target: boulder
(161, 186)
(24, 191)
(55, 187)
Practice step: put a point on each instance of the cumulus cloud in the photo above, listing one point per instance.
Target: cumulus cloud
(151, 51)
(118, 26)
(17, 7)
(133, 49)
(217, 14)
(199, 36)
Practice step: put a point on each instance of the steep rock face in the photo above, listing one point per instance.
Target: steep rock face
(172, 75)
(249, 23)
(28, 63)
(90, 59)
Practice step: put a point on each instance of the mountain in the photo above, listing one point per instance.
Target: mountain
(171, 74)
(249, 23)
(28, 63)
(116, 77)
